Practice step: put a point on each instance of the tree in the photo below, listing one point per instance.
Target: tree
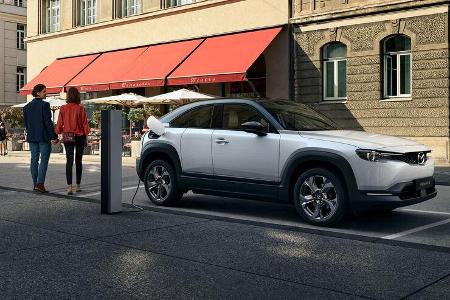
(96, 118)
(13, 117)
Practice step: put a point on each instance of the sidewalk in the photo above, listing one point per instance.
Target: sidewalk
(61, 158)
(58, 247)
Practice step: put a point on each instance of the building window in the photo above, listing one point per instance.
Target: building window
(20, 36)
(88, 12)
(174, 3)
(53, 15)
(20, 78)
(335, 71)
(21, 3)
(397, 66)
(130, 8)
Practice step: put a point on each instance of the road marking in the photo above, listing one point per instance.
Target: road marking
(98, 193)
(414, 230)
(425, 211)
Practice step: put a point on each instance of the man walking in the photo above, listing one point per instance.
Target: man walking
(40, 132)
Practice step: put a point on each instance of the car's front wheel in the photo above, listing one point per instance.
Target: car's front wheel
(161, 183)
(320, 197)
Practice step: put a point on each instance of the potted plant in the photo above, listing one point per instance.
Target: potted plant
(135, 115)
(13, 117)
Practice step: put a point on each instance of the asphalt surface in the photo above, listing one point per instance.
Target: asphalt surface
(209, 247)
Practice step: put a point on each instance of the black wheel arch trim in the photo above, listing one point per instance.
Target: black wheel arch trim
(155, 147)
(305, 156)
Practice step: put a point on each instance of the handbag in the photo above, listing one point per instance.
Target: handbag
(68, 138)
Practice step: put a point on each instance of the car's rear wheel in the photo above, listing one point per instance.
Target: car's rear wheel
(320, 197)
(161, 183)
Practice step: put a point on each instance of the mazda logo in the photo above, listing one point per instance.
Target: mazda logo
(421, 158)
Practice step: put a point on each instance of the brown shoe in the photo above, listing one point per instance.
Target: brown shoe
(41, 188)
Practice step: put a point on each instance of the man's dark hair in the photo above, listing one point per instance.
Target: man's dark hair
(73, 96)
(37, 89)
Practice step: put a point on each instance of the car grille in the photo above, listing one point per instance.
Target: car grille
(412, 158)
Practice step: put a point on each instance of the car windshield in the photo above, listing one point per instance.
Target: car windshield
(296, 116)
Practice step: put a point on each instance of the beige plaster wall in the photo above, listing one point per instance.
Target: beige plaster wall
(198, 20)
(10, 56)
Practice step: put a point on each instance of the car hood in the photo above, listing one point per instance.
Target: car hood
(367, 140)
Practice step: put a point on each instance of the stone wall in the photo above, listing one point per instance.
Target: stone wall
(424, 116)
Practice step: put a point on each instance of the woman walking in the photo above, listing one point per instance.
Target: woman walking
(74, 126)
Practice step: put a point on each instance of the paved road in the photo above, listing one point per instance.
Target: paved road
(52, 246)
(426, 223)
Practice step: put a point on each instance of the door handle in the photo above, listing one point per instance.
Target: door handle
(222, 141)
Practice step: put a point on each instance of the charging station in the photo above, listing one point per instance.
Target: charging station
(111, 161)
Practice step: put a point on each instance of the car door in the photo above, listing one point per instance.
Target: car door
(195, 142)
(240, 154)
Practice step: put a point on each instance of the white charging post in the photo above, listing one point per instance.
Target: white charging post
(111, 162)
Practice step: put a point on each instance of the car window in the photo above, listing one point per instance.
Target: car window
(196, 118)
(234, 115)
(297, 116)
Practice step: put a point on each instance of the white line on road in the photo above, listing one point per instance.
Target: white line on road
(425, 211)
(98, 193)
(414, 230)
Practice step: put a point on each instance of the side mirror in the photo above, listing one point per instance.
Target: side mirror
(255, 127)
(155, 126)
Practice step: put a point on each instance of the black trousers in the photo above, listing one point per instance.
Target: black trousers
(78, 146)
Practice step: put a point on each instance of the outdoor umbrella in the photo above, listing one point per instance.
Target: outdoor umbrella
(54, 102)
(176, 97)
(127, 100)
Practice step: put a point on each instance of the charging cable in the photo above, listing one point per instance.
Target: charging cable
(132, 200)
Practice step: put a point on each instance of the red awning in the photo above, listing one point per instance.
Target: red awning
(153, 66)
(58, 73)
(223, 58)
(109, 67)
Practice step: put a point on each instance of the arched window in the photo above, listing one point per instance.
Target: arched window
(397, 66)
(335, 71)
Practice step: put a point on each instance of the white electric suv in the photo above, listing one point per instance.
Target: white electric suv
(282, 151)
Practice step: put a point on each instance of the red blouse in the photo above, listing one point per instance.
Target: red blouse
(73, 118)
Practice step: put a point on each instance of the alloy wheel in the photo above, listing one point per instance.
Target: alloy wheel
(318, 198)
(159, 183)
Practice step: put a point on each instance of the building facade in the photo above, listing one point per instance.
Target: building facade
(13, 57)
(59, 29)
(380, 66)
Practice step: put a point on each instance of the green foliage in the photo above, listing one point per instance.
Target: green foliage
(96, 118)
(135, 114)
(13, 117)
(153, 110)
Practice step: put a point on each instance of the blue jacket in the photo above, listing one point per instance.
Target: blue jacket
(38, 121)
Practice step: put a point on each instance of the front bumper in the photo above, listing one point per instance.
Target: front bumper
(401, 194)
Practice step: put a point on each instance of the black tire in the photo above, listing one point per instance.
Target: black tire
(163, 183)
(327, 189)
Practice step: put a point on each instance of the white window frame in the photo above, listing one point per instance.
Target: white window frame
(131, 8)
(176, 3)
(387, 56)
(20, 3)
(53, 17)
(20, 78)
(21, 36)
(88, 12)
(335, 62)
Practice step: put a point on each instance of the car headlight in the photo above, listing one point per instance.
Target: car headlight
(374, 155)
